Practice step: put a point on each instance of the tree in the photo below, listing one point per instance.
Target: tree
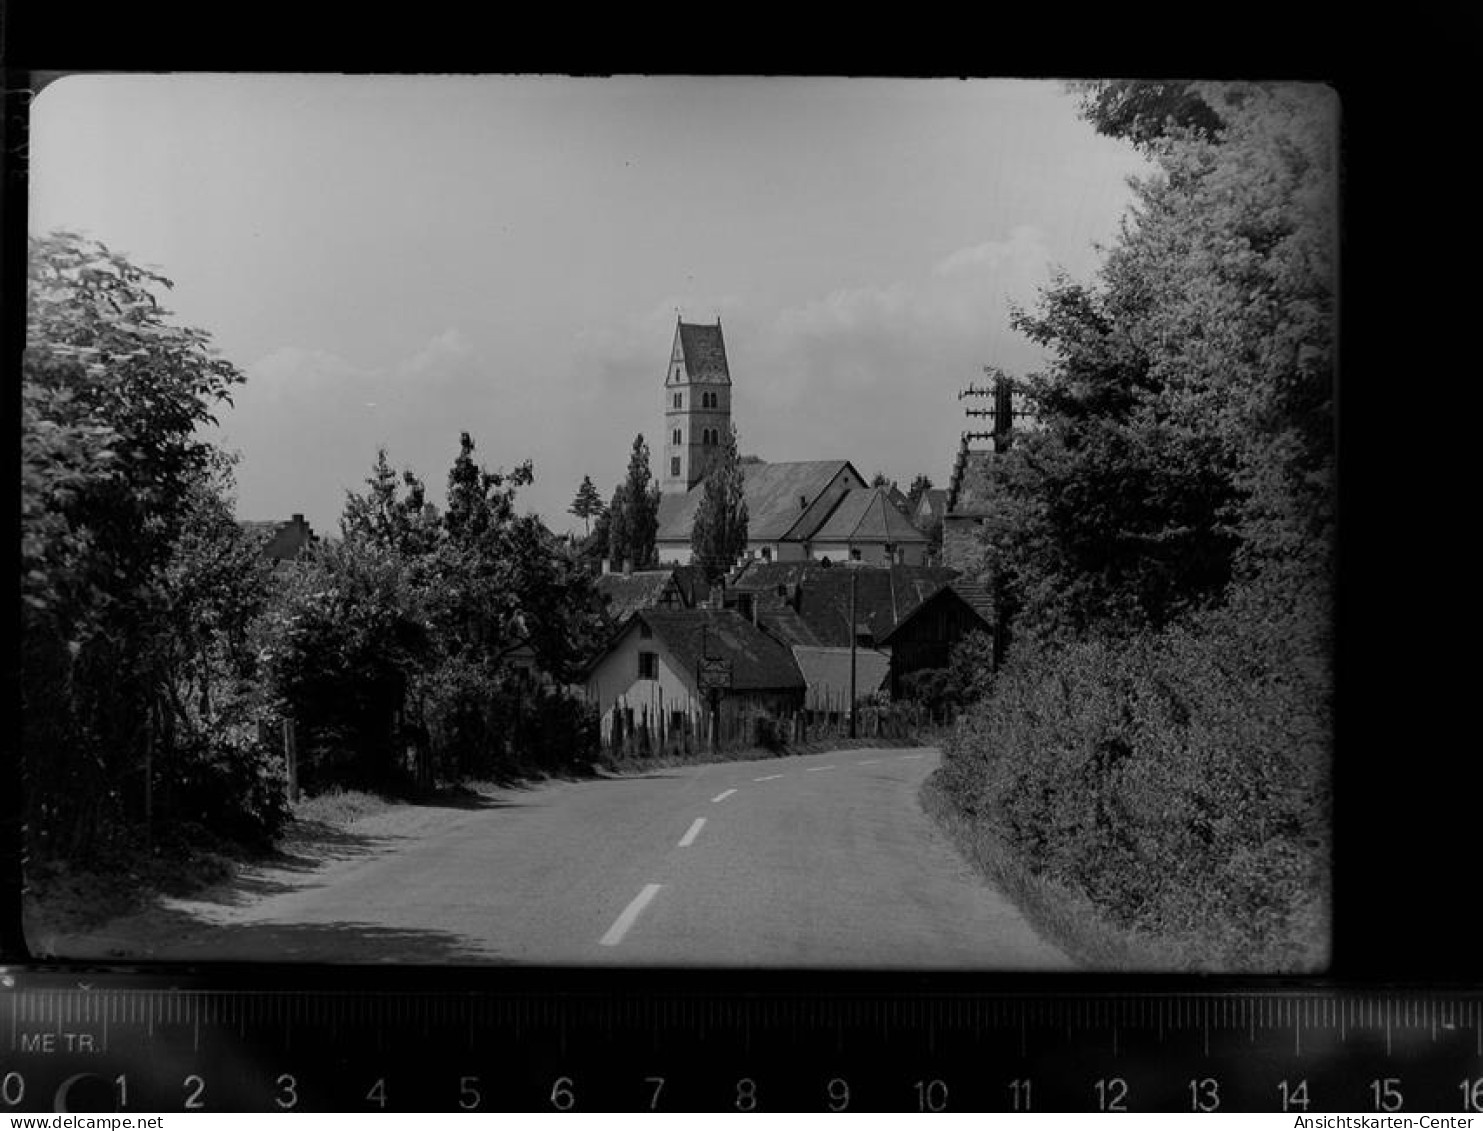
(123, 521)
(1163, 543)
(587, 504)
(1188, 411)
(719, 535)
(405, 523)
(635, 523)
(1143, 112)
(879, 479)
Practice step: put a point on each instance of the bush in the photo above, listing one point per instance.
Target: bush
(229, 783)
(1179, 780)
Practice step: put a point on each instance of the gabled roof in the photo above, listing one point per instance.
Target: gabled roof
(950, 593)
(626, 593)
(883, 594)
(781, 622)
(827, 672)
(932, 505)
(705, 353)
(772, 492)
(867, 515)
(758, 662)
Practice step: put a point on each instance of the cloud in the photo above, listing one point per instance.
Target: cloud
(443, 355)
(871, 374)
(297, 373)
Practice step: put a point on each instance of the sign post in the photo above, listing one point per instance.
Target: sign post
(713, 676)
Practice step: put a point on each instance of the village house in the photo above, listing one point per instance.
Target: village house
(924, 638)
(281, 540)
(910, 616)
(653, 669)
(626, 592)
(798, 511)
(967, 508)
(808, 603)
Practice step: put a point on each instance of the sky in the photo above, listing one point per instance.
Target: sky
(393, 260)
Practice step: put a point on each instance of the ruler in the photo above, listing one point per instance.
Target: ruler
(157, 1039)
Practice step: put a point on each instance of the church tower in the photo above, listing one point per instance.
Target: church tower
(697, 404)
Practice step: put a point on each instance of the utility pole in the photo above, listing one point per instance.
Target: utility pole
(854, 634)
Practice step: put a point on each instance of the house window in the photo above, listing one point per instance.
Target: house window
(648, 665)
(679, 400)
(854, 554)
(674, 465)
(767, 553)
(676, 440)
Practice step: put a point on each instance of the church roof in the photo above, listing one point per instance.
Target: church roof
(867, 515)
(772, 492)
(705, 353)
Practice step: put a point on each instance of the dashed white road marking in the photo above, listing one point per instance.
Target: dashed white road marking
(694, 831)
(819, 769)
(909, 757)
(769, 777)
(722, 796)
(868, 762)
(630, 915)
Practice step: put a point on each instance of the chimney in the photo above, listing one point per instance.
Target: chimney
(298, 520)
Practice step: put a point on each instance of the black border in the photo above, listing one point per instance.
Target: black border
(1407, 803)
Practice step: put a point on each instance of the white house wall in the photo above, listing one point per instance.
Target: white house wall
(616, 679)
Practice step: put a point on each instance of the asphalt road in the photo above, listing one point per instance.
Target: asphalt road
(822, 860)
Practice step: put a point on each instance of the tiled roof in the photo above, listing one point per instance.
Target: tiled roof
(758, 662)
(705, 353)
(884, 594)
(950, 592)
(932, 504)
(867, 515)
(977, 596)
(772, 492)
(783, 623)
(827, 672)
(969, 492)
(626, 593)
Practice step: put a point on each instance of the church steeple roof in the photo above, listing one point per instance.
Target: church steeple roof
(705, 352)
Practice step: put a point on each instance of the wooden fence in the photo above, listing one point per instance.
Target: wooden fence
(637, 732)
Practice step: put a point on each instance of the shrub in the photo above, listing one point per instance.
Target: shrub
(1179, 780)
(226, 781)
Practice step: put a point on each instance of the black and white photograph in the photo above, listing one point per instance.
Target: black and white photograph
(664, 522)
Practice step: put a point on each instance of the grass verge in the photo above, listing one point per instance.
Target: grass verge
(1065, 917)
